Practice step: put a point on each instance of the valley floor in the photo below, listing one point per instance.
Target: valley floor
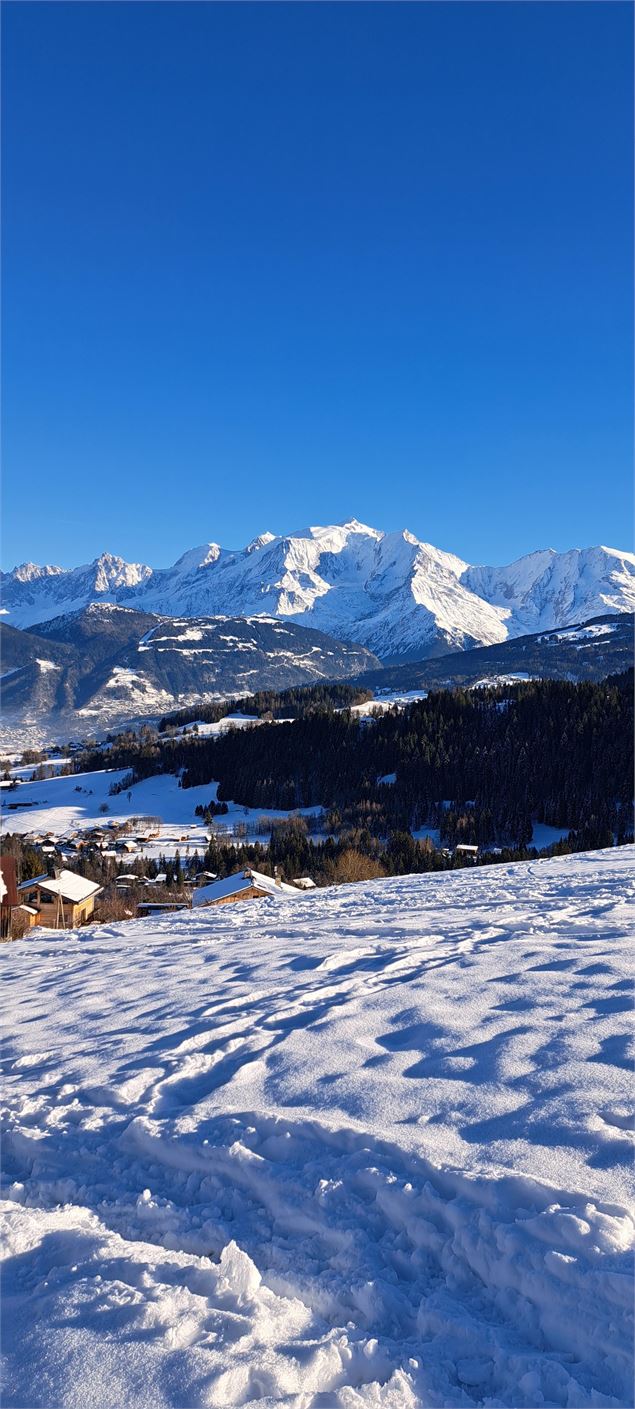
(369, 1148)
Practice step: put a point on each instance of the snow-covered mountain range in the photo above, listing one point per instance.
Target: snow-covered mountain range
(390, 592)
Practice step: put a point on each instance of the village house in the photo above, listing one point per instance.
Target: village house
(242, 885)
(155, 907)
(65, 901)
(29, 914)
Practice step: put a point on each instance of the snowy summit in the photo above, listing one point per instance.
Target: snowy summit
(390, 592)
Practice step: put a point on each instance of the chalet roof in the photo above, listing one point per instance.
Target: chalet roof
(34, 881)
(69, 886)
(240, 881)
(150, 907)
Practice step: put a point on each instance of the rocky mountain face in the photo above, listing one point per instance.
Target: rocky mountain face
(397, 596)
(107, 663)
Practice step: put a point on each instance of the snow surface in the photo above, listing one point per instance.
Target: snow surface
(384, 700)
(583, 633)
(373, 1149)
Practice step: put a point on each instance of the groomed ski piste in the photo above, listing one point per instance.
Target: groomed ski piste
(366, 1147)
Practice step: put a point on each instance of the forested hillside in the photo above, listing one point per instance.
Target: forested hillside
(479, 765)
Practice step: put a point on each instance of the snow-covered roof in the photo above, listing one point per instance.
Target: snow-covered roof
(239, 881)
(34, 881)
(70, 886)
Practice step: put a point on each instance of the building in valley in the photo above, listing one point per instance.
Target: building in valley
(243, 885)
(63, 902)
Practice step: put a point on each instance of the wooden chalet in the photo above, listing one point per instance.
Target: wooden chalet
(243, 885)
(63, 902)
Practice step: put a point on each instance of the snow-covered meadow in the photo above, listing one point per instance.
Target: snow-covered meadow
(73, 804)
(369, 1148)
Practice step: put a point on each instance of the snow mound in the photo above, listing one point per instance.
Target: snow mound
(373, 1149)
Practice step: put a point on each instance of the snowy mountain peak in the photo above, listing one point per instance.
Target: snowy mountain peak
(201, 557)
(261, 541)
(354, 526)
(615, 553)
(113, 571)
(391, 592)
(30, 572)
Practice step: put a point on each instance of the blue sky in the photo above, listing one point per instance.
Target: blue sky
(271, 265)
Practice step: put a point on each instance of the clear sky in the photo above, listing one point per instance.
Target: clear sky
(268, 265)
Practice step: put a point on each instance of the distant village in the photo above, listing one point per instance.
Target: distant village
(61, 897)
(66, 900)
(130, 867)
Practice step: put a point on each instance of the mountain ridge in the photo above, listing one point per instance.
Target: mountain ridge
(107, 663)
(393, 593)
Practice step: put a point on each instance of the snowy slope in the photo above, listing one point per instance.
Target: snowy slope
(369, 1147)
(64, 805)
(551, 589)
(390, 592)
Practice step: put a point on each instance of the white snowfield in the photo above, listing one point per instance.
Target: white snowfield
(369, 1147)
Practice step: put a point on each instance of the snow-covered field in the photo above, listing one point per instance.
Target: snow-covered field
(65, 805)
(369, 1148)
(384, 700)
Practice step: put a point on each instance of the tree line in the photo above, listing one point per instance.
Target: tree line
(480, 765)
(294, 702)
